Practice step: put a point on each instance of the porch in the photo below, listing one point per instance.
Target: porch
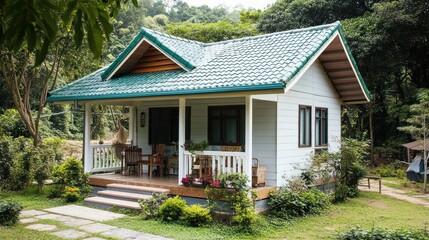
(165, 182)
(253, 128)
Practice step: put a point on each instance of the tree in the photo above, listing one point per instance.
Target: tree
(33, 45)
(211, 32)
(419, 126)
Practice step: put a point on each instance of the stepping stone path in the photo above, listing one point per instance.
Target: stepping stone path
(83, 222)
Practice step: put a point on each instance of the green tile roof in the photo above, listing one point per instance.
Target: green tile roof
(252, 63)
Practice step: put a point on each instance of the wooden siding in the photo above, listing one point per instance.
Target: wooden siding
(153, 61)
(336, 64)
(314, 89)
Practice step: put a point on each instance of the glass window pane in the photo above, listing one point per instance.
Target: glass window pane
(230, 131)
(301, 125)
(215, 131)
(307, 126)
(229, 112)
(317, 130)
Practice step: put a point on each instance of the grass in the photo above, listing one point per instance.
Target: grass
(30, 198)
(369, 210)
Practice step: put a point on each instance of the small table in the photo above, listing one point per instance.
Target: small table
(374, 178)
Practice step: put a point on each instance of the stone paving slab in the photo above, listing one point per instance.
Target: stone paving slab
(76, 222)
(49, 216)
(85, 212)
(28, 220)
(121, 233)
(147, 236)
(41, 227)
(70, 234)
(30, 213)
(97, 227)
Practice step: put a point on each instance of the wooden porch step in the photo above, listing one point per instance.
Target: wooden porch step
(137, 188)
(123, 195)
(110, 202)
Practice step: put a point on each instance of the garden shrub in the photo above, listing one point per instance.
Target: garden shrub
(21, 174)
(196, 215)
(286, 203)
(71, 194)
(150, 206)
(231, 193)
(358, 233)
(9, 212)
(5, 160)
(172, 209)
(389, 170)
(345, 168)
(70, 173)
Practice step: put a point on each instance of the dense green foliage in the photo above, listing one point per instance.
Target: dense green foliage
(212, 32)
(345, 168)
(196, 215)
(289, 202)
(172, 209)
(9, 212)
(357, 233)
(70, 174)
(150, 206)
(231, 195)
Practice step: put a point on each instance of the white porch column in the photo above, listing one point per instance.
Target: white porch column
(247, 165)
(132, 125)
(182, 123)
(87, 139)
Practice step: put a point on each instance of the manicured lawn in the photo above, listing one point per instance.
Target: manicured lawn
(370, 209)
(30, 198)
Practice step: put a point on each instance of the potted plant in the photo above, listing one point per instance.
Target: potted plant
(186, 181)
(233, 181)
(196, 147)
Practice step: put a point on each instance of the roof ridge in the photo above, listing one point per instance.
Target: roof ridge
(150, 31)
(312, 28)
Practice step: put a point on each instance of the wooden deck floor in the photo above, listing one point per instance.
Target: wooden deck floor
(166, 182)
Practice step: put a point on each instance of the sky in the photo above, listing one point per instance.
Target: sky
(231, 4)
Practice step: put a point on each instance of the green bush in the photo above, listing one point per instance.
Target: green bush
(390, 170)
(5, 161)
(172, 209)
(357, 233)
(286, 203)
(71, 194)
(9, 212)
(234, 180)
(150, 206)
(196, 215)
(70, 173)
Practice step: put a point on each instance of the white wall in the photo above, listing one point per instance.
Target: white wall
(314, 89)
(264, 127)
(264, 137)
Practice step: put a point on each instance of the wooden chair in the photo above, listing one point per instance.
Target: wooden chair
(230, 148)
(157, 158)
(131, 158)
(154, 159)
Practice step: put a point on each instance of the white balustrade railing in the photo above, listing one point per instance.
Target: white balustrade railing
(215, 161)
(104, 158)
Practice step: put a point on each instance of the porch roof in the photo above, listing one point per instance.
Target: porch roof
(264, 62)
